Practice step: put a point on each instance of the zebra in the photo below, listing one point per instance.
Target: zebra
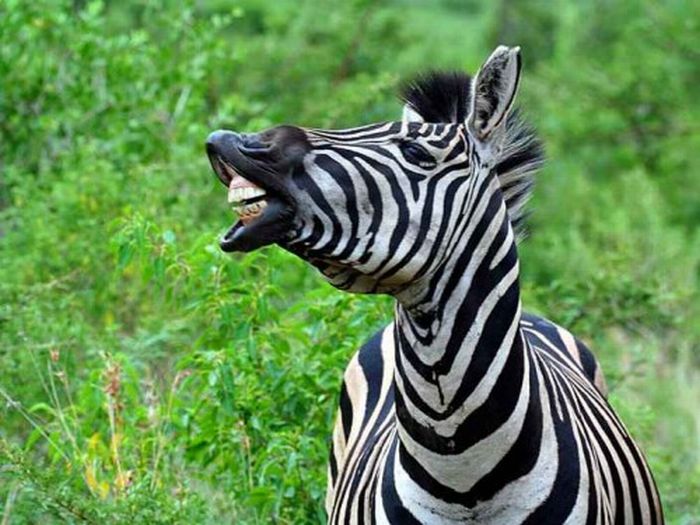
(464, 409)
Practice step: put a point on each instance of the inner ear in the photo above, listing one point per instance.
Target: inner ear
(494, 90)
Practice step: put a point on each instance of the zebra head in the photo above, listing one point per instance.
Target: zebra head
(379, 207)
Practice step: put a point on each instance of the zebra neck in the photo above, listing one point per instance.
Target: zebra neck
(461, 377)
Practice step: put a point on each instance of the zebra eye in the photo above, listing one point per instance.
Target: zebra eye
(417, 154)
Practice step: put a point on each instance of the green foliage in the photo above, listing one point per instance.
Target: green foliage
(149, 378)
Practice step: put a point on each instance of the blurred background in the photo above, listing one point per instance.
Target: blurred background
(145, 377)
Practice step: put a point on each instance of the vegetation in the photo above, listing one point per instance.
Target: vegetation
(149, 378)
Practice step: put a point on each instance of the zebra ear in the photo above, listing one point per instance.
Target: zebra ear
(494, 90)
(411, 115)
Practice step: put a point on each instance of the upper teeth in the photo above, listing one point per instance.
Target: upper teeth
(241, 194)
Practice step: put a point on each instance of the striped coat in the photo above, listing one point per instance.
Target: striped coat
(572, 475)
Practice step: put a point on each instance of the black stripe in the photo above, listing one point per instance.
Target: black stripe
(346, 412)
(343, 179)
(394, 509)
(562, 498)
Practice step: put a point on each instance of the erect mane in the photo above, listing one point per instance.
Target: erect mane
(444, 96)
(439, 96)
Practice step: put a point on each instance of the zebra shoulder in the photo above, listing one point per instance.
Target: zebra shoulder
(366, 379)
(366, 385)
(559, 339)
(363, 382)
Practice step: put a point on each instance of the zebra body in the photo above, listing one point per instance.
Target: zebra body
(570, 475)
(464, 409)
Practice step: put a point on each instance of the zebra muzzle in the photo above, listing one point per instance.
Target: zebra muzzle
(257, 190)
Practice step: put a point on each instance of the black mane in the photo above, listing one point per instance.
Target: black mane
(439, 96)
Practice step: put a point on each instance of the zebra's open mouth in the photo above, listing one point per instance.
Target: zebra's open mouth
(255, 193)
(247, 199)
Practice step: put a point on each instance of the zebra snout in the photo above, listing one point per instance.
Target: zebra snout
(220, 141)
(230, 144)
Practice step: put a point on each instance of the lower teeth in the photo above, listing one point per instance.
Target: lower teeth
(249, 212)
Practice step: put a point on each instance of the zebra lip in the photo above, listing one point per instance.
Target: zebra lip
(271, 226)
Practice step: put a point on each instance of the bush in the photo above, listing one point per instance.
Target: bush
(148, 378)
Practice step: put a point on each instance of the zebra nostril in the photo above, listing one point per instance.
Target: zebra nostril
(251, 143)
(252, 146)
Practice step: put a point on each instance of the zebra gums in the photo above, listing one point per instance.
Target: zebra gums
(464, 409)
